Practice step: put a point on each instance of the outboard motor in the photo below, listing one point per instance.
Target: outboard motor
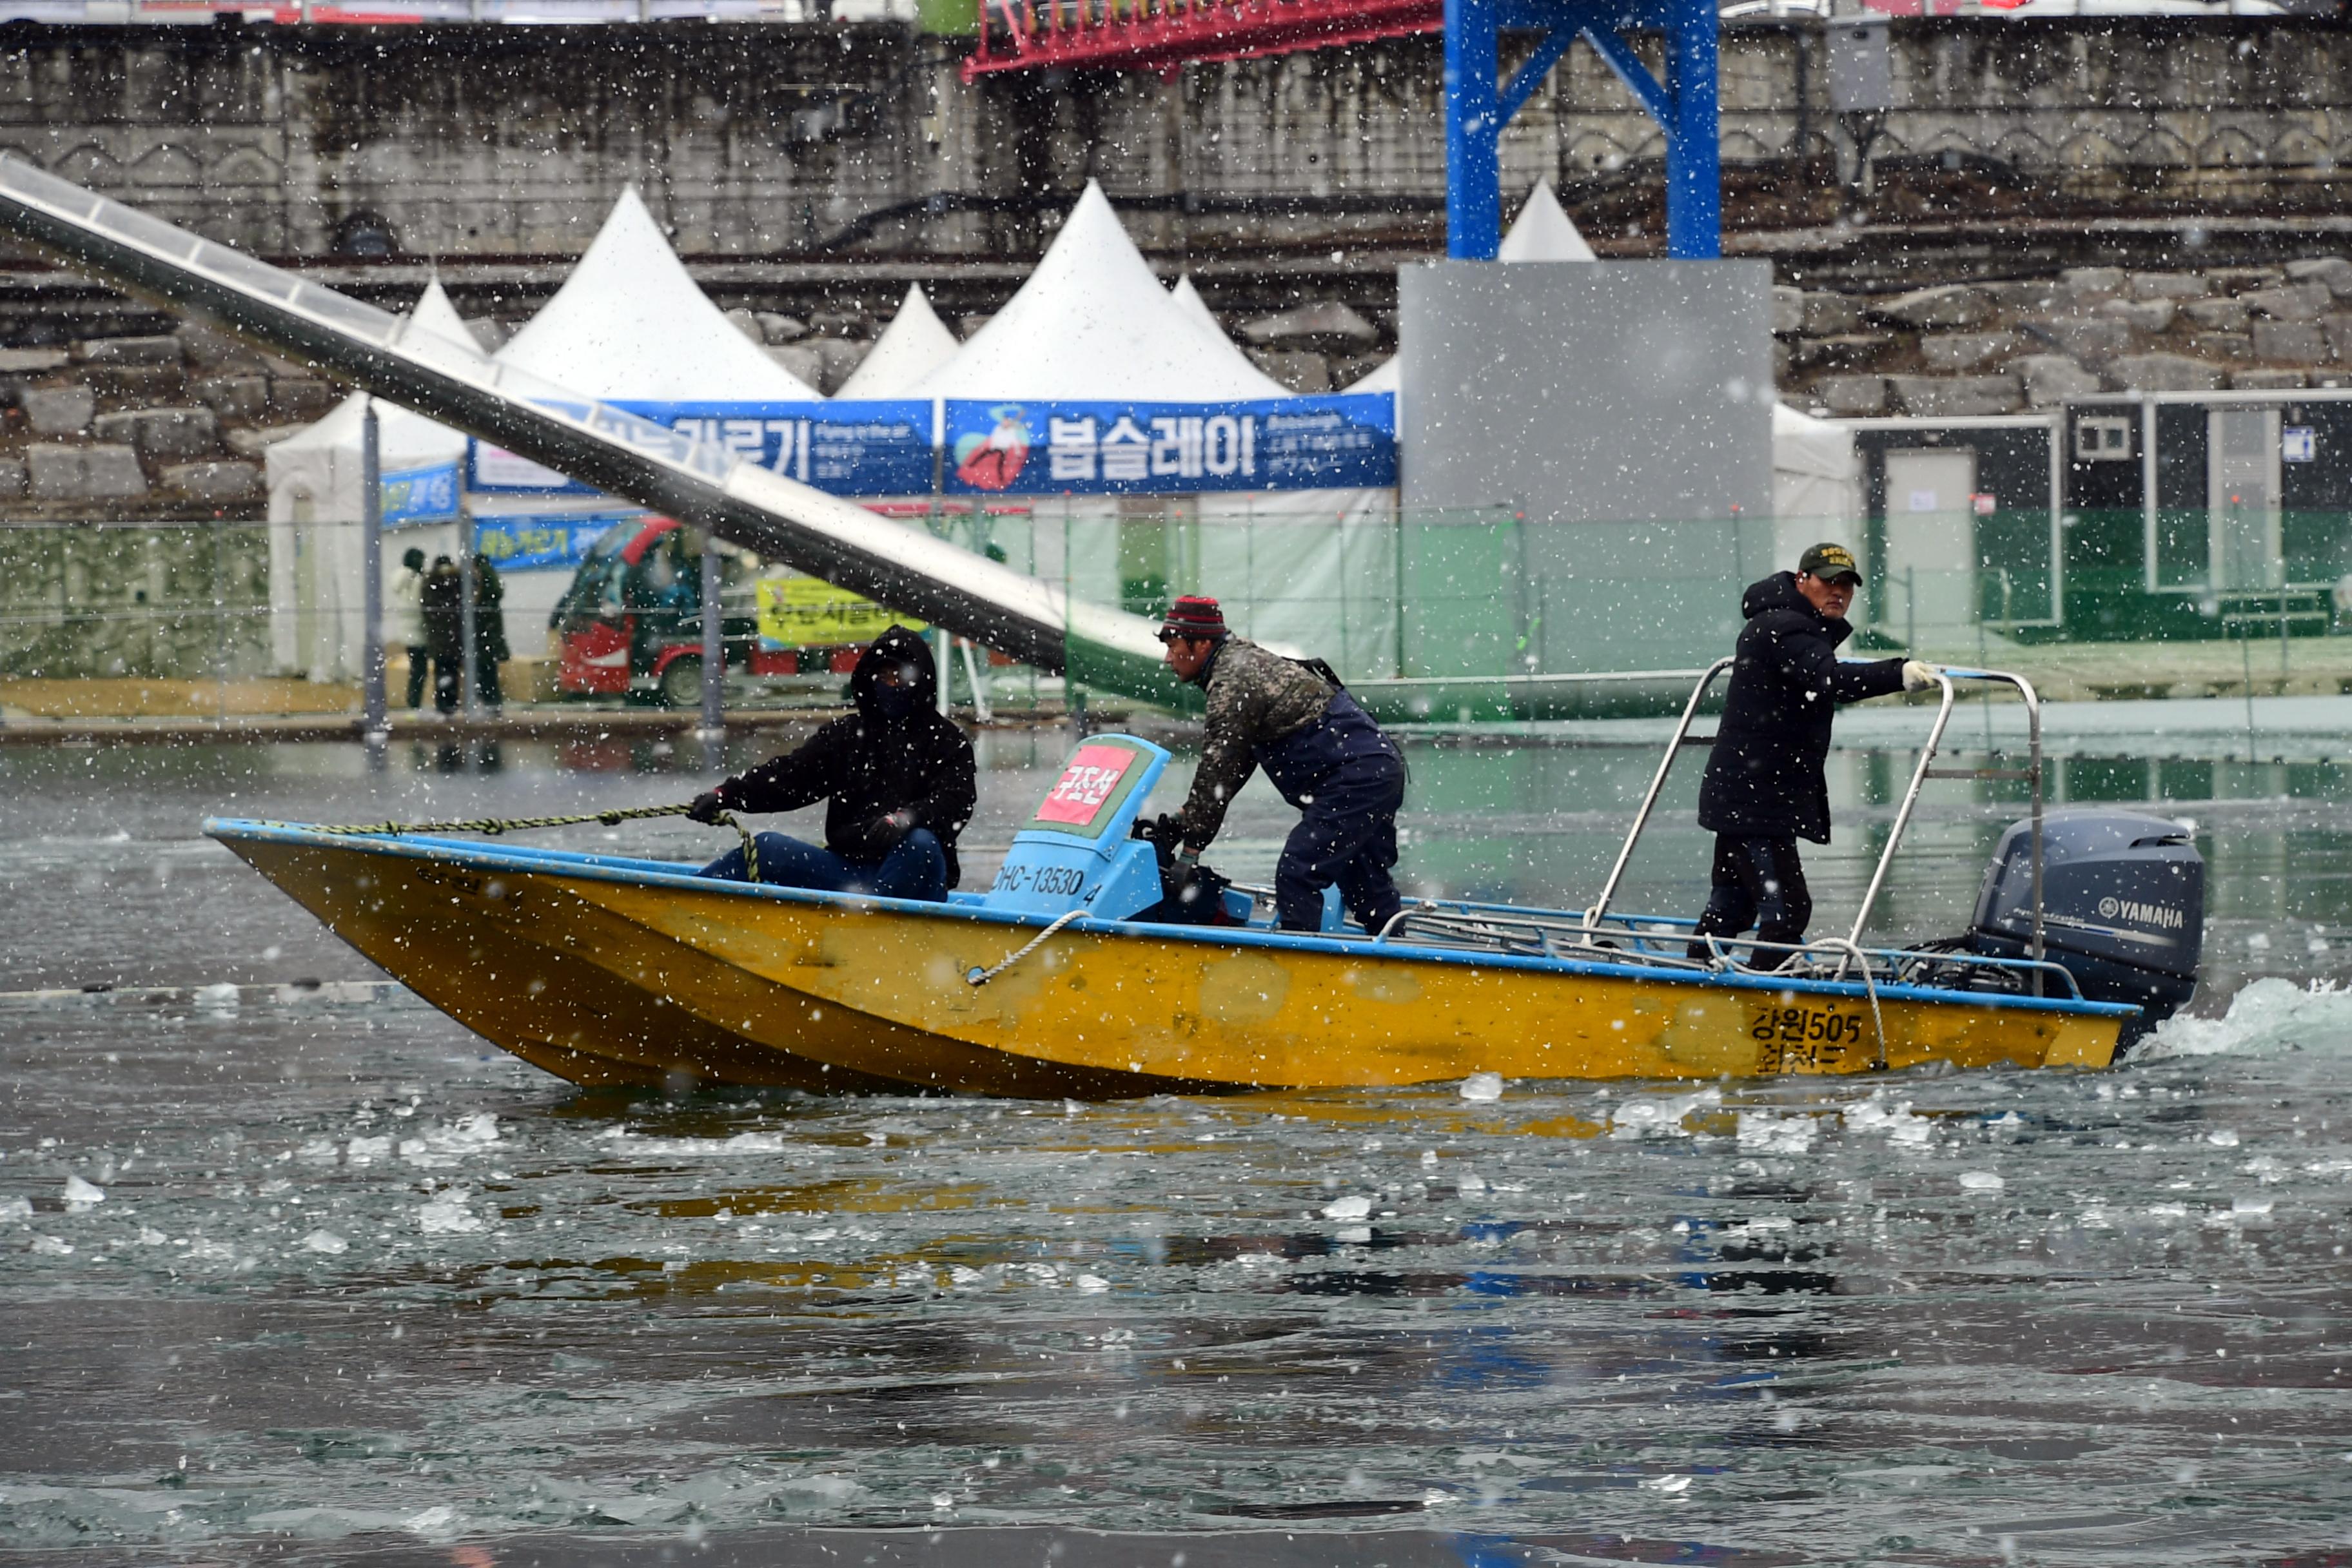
(2123, 907)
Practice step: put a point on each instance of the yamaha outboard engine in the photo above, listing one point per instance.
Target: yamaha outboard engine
(2123, 907)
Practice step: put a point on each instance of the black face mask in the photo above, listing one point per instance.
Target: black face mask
(893, 702)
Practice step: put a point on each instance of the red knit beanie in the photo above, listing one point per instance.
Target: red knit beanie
(1196, 618)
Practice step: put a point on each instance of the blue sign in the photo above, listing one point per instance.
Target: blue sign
(544, 544)
(879, 449)
(1124, 449)
(413, 496)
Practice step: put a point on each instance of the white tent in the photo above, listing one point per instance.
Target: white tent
(914, 344)
(1816, 483)
(1184, 294)
(315, 501)
(630, 324)
(1542, 232)
(1092, 323)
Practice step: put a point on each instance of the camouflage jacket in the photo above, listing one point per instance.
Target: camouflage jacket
(1256, 698)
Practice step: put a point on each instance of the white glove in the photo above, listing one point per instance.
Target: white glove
(1918, 675)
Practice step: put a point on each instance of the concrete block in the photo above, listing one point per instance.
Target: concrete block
(1967, 350)
(1951, 396)
(800, 359)
(84, 473)
(1853, 396)
(137, 385)
(2296, 342)
(13, 479)
(841, 323)
(234, 397)
(215, 481)
(2168, 286)
(775, 328)
(210, 348)
(2080, 337)
(1788, 310)
(1828, 315)
(2141, 315)
(58, 410)
(2164, 373)
(2032, 297)
(2281, 304)
(2333, 270)
(300, 396)
(837, 358)
(2052, 379)
(27, 360)
(1328, 328)
(1952, 305)
(1783, 361)
(2093, 282)
(2222, 346)
(743, 322)
(1297, 370)
(162, 432)
(2238, 280)
(128, 351)
(2267, 380)
(2217, 315)
(255, 440)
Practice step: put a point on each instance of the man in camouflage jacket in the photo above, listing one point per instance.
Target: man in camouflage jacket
(1320, 749)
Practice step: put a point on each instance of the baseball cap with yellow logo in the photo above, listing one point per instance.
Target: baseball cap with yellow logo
(1830, 563)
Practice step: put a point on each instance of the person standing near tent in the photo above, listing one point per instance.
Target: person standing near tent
(441, 601)
(898, 781)
(1320, 749)
(405, 602)
(1765, 785)
(491, 650)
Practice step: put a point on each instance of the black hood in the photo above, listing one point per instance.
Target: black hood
(1778, 592)
(896, 646)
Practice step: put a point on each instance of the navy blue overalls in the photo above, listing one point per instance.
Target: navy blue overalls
(1347, 779)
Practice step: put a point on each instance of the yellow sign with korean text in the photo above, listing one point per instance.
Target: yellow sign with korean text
(805, 612)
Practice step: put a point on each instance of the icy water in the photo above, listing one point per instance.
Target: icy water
(297, 1272)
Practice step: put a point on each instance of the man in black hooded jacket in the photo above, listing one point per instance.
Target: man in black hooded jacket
(898, 779)
(1765, 785)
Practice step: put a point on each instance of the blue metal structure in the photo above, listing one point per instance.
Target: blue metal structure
(1478, 104)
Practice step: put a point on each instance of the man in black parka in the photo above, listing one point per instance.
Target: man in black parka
(897, 776)
(1765, 786)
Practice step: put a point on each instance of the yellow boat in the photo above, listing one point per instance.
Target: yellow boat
(614, 970)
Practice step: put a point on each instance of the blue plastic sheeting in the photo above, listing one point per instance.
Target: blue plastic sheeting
(1180, 448)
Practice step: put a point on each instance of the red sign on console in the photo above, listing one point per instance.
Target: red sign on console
(1087, 784)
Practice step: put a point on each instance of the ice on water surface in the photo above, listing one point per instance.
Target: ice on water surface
(355, 1279)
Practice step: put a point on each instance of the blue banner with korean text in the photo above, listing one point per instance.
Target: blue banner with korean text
(412, 496)
(1002, 448)
(544, 544)
(878, 449)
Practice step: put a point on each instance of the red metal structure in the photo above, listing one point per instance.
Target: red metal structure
(1165, 35)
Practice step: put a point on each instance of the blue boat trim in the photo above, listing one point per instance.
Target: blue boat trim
(671, 874)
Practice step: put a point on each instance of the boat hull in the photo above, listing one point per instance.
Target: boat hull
(631, 973)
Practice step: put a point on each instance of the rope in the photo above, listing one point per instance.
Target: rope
(982, 976)
(495, 825)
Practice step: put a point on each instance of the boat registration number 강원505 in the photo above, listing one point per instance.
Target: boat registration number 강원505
(1795, 1038)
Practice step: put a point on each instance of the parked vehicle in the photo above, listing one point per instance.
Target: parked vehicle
(631, 622)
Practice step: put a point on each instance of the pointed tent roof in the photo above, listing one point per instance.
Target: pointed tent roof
(1184, 294)
(913, 345)
(630, 324)
(1093, 322)
(1544, 231)
(403, 439)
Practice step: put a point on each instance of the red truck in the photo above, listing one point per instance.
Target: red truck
(631, 622)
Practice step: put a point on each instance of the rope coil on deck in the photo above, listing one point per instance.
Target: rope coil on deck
(495, 826)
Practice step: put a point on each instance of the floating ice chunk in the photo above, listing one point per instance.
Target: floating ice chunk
(80, 1195)
(1668, 1484)
(437, 1524)
(2268, 1016)
(1761, 1132)
(1093, 1284)
(15, 1208)
(477, 1130)
(1981, 1181)
(1659, 1116)
(1428, 1158)
(449, 1214)
(2250, 1206)
(328, 1242)
(1483, 1087)
(150, 1237)
(367, 1151)
(1353, 1206)
(52, 1246)
(319, 1151)
(961, 1275)
(1355, 1235)
(220, 998)
(639, 1510)
(1902, 1128)
(2222, 1138)
(741, 1143)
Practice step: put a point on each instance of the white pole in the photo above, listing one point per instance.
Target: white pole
(372, 699)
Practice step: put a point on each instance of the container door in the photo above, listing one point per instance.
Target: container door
(1927, 584)
(2241, 500)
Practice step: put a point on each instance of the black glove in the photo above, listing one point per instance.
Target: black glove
(882, 834)
(1165, 831)
(706, 808)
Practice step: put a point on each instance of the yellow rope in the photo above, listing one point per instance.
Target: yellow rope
(495, 825)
